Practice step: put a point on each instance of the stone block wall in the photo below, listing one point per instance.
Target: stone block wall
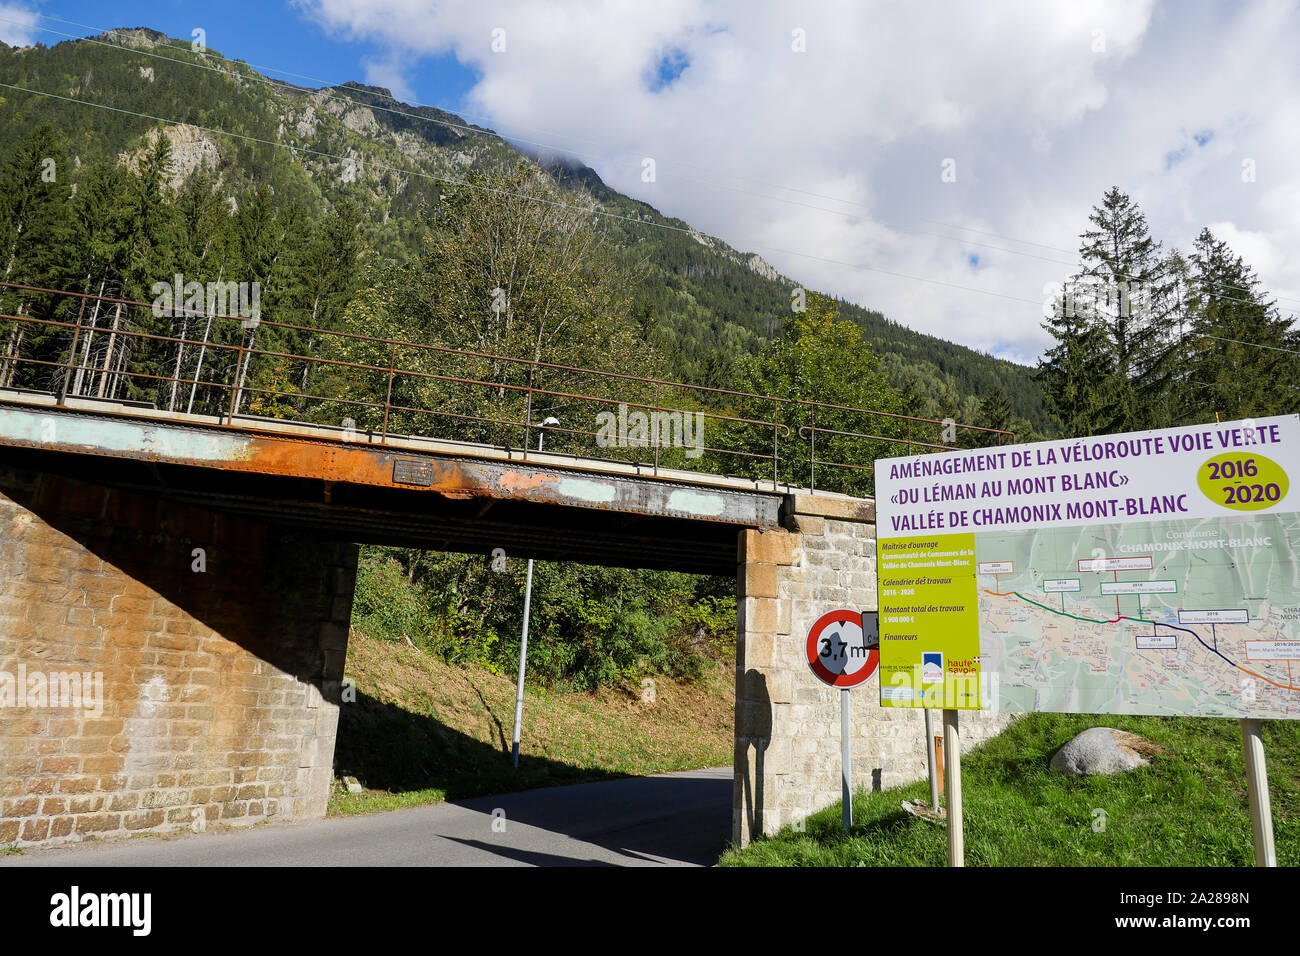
(220, 686)
(787, 757)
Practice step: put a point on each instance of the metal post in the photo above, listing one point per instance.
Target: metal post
(528, 413)
(236, 384)
(658, 419)
(952, 788)
(1261, 810)
(72, 356)
(523, 667)
(523, 648)
(388, 396)
(775, 454)
(812, 454)
(931, 762)
(846, 759)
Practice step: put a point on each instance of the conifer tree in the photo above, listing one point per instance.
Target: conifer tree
(1238, 363)
(34, 237)
(1124, 290)
(1074, 373)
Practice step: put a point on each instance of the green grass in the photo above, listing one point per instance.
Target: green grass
(12, 849)
(1189, 808)
(424, 731)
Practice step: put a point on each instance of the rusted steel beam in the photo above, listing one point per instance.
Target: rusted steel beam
(380, 466)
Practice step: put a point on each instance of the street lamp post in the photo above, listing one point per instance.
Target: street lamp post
(523, 640)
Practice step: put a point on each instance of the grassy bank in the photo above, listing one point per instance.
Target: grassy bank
(422, 730)
(1189, 808)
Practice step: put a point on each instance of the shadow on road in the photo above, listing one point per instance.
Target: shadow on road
(531, 857)
(389, 748)
(685, 818)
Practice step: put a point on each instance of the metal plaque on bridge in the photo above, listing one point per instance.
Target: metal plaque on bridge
(413, 471)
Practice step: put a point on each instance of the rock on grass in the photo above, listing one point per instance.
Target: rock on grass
(1103, 750)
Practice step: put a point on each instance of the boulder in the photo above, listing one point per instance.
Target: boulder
(1103, 750)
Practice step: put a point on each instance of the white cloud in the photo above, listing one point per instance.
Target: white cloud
(17, 25)
(390, 72)
(1042, 107)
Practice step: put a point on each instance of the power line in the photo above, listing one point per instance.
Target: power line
(471, 130)
(1256, 345)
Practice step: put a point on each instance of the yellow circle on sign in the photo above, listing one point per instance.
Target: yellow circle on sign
(1243, 481)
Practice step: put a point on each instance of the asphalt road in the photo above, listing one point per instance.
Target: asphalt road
(680, 819)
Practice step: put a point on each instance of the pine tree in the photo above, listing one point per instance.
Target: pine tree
(99, 230)
(1125, 291)
(151, 244)
(34, 239)
(1074, 373)
(1238, 365)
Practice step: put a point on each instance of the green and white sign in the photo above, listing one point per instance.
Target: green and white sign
(1144, 573)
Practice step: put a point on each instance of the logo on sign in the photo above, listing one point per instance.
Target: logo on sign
(932, 667)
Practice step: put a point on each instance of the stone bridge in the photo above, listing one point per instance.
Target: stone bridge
(201, 571)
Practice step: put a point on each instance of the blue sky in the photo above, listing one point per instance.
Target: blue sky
(262, 33)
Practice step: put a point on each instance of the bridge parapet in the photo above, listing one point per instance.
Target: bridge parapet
(78, 348)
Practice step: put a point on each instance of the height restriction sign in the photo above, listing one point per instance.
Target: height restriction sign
(842, 651)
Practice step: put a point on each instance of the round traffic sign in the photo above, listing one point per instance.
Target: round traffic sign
(840, 652)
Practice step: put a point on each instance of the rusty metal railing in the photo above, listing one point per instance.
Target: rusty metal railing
(94, 346)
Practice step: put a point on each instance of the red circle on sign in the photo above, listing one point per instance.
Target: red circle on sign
(824, 673)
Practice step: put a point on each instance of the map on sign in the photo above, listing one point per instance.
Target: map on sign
(1147, 573)
(1164, 617)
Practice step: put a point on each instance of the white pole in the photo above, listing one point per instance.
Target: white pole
(930, 758)
(523, 665)
(846, 759)
(1261, 810)
(523, 649)
(952, 787)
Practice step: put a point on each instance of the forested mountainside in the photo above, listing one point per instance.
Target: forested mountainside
(355, 147)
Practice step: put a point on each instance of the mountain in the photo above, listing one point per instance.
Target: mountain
(316, 147)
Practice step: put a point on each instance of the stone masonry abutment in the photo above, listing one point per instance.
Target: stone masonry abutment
(219, 645)
(787, 757)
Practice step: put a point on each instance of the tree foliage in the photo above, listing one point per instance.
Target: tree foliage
(1147, 339)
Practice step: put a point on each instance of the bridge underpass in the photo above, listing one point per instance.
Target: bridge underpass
(221, 683)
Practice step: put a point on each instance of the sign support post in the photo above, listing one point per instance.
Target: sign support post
(523, 638)
(846, 760)
(523, 668)
(1261, 810)
(952, 788)
(843, 651)
(931, 763)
